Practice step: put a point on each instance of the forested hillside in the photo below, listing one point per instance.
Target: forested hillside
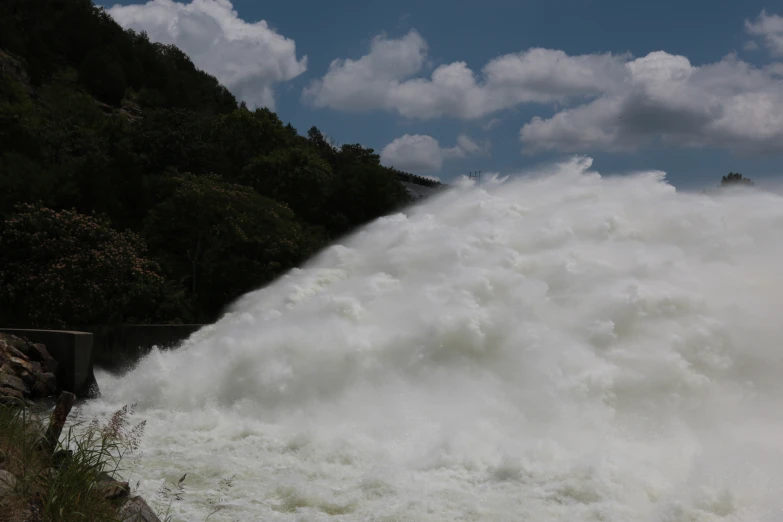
(134, 187)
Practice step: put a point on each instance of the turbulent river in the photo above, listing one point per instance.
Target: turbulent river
(557, 347)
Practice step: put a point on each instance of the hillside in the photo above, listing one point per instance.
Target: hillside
(134, 187)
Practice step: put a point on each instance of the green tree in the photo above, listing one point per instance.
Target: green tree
(67, 269)
(66, 145)
(220, 240)
(363, 192)
(320, 143)
(242, 135)
(296, 176)
(171, 138)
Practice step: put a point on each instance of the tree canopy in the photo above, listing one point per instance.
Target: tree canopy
(114, 145)
(61, 268)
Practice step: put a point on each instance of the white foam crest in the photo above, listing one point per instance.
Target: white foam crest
(557, 347)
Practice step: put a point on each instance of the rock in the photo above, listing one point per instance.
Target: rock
(26, 370)
(39, 353)
(24, 349)
(8, 380)
(10, 395)
(60, 457)
(114, 489)
(137, 510)
(15, 345)
(22, 365)
(13, 351)
(7, 483)
(45, 385)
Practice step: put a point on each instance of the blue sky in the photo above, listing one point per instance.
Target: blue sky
(442, 88)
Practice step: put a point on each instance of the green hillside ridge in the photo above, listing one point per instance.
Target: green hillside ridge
(134, 187)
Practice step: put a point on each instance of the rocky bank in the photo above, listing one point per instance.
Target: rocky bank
(27, 374)
(27, 371)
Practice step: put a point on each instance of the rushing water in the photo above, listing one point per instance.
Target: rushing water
(563, 347)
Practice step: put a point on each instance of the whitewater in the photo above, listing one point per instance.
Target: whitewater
(559, 346)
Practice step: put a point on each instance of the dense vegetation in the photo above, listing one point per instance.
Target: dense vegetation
(133, 187)
(65, 487)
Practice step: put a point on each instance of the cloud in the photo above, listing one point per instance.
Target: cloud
(729, 104)
(468, 147)
(417, 153)
(491, 124)
(248, 58)
(770, 27)
(385, 79)
(601, 102)
(750, 45)
(421, 153)
(775, 69)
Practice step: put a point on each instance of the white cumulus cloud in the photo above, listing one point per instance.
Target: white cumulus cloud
(491, 124)
(609, 102)
(775, 68)
(770, 27)
(729, 104)
(248, 58)
(386, 78)
(421, 153)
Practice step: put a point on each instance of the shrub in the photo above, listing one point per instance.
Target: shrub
(221, 239)
(71, 484)
(69, 488)
(66, 268)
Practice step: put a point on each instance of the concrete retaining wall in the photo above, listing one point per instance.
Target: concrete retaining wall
(117, 347)
(73, 352)
(112, 347)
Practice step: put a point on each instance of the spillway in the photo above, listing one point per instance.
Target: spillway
(560, 346)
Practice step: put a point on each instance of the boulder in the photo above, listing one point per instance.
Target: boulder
(9, 380)
(45, 385)
(113, 489)
(24, 365)
(27, 371)
(10, 396)
(39, 354)
(13, 351)
(137, 510)
(24, 349)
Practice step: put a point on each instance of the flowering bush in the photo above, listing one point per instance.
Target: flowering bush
(61, 268)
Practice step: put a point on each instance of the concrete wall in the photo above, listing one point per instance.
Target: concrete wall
(118, 347)
(73, 352)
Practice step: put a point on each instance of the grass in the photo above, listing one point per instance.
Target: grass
(70, 486)
(66, 487)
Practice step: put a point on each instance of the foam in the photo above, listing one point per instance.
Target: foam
(557, 347)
